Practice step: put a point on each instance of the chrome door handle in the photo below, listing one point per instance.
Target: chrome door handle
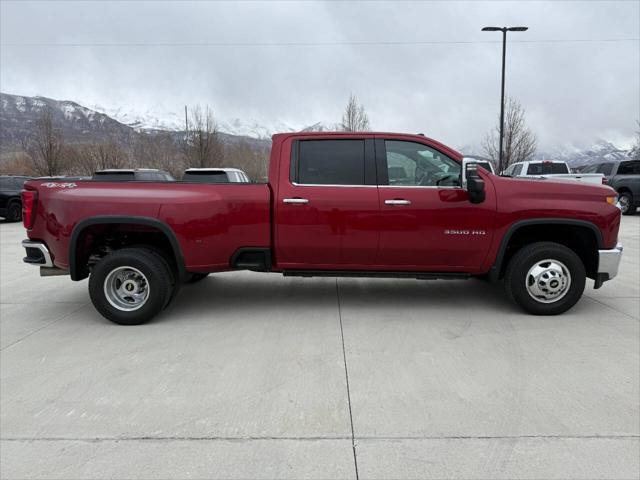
(397, 201)
(295, 200)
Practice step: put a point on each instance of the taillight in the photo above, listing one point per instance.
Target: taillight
(29, 203)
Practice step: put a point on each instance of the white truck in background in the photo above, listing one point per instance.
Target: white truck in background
(551, 169)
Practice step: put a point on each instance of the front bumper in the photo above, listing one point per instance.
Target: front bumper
(37, 254)
(608, 264)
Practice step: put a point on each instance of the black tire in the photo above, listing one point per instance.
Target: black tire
(14, 212)
(175, 284)
(195, 277)
(517, 273)
(626, 202)
(156, 272)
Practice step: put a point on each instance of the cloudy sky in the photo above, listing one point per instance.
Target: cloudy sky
(417, 66)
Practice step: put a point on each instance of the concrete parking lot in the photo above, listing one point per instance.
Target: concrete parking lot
(259, 376)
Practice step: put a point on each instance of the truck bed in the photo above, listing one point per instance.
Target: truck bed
(209, 221)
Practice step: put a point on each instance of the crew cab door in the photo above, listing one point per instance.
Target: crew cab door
(427, 222)
(326, 209)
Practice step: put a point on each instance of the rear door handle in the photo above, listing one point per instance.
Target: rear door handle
(397, 201)
(295, 200)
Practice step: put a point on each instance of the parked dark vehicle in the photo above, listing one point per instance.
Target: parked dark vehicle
(624, 177)
(10, 202)
(128, 174)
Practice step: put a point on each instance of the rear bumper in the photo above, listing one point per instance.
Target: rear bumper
(608, 264)
(37, 254)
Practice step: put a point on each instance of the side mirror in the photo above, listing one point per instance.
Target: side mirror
(472, 181)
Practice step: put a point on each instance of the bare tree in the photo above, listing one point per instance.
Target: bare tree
(354, 118)
(45, 147)
(159, 151)
(18, 163)
(635, 150)
(203, 147)
(520, 143)
(253, 159)
(98, 156)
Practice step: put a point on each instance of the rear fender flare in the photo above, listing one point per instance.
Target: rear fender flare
(76, 271)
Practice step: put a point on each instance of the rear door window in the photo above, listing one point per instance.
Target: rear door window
(330, 162)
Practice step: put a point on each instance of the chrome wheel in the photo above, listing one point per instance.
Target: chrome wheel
(625, 203)
(548, 281)
(126, 288)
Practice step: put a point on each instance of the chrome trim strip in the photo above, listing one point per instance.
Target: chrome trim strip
(373, 186)
(609, 260)
(295, 200)
(43, 249)
(330, 185)
(444, 187)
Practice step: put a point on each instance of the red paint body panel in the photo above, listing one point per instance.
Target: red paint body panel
(210, 222)
(342, 227)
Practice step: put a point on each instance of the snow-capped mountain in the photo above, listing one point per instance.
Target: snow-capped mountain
(20, 114)
(152, 119)
(160, 118)
(600, 151)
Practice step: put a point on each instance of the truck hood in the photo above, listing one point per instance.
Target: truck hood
(552, 186)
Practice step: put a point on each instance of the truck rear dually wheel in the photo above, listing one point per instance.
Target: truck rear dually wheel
(545, 278)
(130, 286)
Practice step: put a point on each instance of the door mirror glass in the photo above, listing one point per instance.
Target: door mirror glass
(472, 182)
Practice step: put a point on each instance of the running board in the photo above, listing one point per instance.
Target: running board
(377, 274)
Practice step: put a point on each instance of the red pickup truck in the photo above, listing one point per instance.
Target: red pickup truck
(335, 204)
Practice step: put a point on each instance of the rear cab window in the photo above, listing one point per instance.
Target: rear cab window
(329, 162)
(629, 168)
(547, 168)
(113, 176)
(206, 177)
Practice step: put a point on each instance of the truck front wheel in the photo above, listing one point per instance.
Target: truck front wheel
(545, 278)
(130, 286)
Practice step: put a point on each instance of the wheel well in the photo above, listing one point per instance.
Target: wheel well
(581, 239)
(625, 190)
(95, 241)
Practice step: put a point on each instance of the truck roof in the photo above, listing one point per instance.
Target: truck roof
(404, 136)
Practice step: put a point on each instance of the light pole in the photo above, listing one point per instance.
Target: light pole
(504, 31)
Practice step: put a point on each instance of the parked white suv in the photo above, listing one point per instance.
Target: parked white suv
(550, 169)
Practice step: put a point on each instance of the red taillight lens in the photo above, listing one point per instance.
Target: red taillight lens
(29, 203)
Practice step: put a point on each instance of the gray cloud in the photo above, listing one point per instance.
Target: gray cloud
(573, 91)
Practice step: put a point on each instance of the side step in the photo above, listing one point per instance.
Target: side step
(377, 274)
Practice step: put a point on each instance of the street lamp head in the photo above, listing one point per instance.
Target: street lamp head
(518, 29)
(492, 29)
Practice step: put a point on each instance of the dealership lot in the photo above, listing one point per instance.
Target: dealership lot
(260, 376)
